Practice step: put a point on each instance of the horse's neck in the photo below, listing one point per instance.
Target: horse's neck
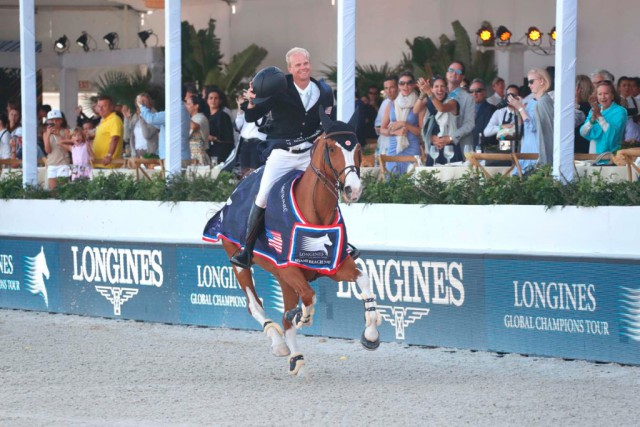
(316, 202)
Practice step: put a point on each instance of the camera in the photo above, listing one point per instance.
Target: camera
(505, 101)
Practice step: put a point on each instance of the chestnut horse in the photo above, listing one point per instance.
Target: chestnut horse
(334, 169)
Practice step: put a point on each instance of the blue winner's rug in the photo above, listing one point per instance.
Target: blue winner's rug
(288, 240)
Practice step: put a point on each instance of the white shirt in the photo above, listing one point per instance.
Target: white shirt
(248, 130)
(5, 147)
(141, 141)
(498, 118)
(383, 140)
(309, 95)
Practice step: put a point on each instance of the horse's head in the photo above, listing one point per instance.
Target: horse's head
(338, 156)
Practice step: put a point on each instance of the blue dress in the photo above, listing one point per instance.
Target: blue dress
(414, 143)
(530, 136)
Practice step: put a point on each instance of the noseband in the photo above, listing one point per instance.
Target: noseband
(338, 186)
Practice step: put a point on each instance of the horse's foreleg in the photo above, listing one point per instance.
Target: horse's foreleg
(349, 272)
(370, 337)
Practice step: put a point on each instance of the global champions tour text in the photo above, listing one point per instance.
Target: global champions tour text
(561, 297)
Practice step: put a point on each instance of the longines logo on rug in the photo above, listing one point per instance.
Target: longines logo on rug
(408, 281)
(117, 266)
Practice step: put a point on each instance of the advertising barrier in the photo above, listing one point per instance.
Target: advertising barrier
(564, 307)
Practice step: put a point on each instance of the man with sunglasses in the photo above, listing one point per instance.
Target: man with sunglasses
(466, 119)
(484, 111)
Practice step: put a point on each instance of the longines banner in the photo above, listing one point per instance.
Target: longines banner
(557, 307)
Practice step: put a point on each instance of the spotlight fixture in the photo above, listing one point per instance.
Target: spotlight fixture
(485, 35)
(552, 36)
(503, 36)
(83, 41)
(61, 45)
(534, 36)
(144, 36)
(111, 40)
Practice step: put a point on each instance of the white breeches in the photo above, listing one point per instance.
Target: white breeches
(279, 163)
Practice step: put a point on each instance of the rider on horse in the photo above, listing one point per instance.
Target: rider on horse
(293, 101)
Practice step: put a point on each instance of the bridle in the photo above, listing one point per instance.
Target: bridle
(335, 188)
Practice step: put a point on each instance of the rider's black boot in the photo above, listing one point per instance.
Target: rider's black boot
(255, 224)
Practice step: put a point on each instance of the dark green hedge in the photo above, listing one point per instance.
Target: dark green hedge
(538, 188)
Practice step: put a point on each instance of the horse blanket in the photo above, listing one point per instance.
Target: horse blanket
(288, 239)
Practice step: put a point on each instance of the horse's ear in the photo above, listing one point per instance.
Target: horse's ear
(326, 121)
(353, 121)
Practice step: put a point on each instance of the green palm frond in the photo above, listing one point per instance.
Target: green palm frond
(242, 66)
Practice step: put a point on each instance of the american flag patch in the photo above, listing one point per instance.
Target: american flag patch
(275, 240)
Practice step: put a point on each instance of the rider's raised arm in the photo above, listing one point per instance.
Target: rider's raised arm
(258, 111)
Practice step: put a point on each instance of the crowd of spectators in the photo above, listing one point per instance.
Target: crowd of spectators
(438, 119)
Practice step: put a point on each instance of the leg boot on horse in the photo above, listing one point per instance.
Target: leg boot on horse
(255, 224)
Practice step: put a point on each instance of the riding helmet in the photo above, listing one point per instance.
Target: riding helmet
(268, 82)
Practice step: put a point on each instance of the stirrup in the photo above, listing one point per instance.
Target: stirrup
(241, 259)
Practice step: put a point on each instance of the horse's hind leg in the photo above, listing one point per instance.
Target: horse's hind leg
(256, 309)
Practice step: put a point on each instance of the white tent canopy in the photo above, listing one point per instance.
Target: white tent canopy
(566, 18)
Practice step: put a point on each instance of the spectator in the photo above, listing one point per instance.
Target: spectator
(635, 88)
(606, 121)
(503, 118)
(250, 137)
(391, 93)
(43, 110)
(199, 132)
(89, 131)
(440, 121)
(498, 86)
(220, 140)
(537, 116)
(143, 138)
(365, 130)
(628, 101)
(158, 120)
(464, 84)
(57, 152)
(484, 111)
(401, 123)
(373, 94)
(16, 144)
(14, 119)
(466, 118)
(82, 118)
(107, 144)
(584, 89)
(598, 76)
(81, 154)
(5, 137)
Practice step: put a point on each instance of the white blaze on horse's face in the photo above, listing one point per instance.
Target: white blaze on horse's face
(352, 184)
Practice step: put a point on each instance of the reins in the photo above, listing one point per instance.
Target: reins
(335, 188)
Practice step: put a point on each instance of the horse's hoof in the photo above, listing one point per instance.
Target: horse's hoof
(296, 362)
(280, 350)
(369, 345)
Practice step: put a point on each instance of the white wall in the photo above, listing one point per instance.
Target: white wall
(533, 230)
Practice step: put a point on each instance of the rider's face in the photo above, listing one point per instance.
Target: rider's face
(299, 67)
